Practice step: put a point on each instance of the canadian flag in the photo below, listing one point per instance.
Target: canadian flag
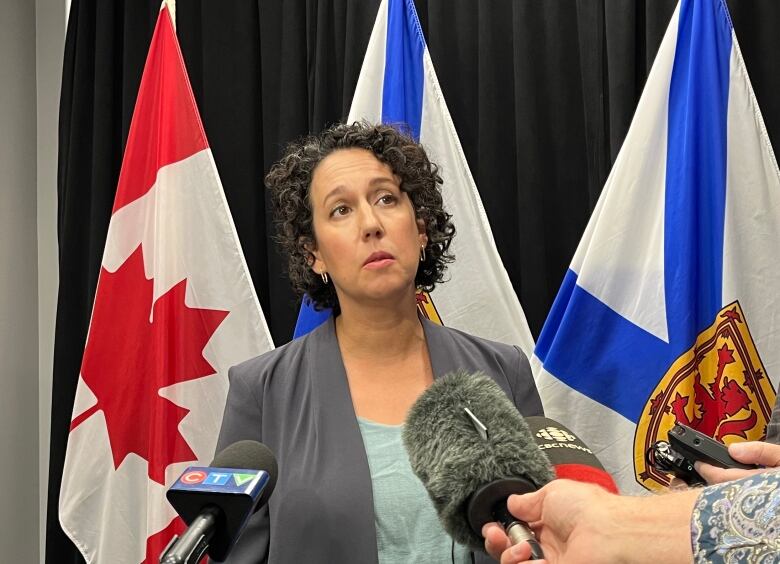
(175, 308)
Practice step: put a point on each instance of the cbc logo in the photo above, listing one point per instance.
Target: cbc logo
(194, 477)
(554, 434)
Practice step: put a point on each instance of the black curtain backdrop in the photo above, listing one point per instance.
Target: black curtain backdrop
(541, 93)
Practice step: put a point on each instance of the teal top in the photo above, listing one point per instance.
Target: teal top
(407, 527)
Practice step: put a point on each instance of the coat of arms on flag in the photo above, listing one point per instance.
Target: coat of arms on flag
(718, 387)
(174, 309)
(668, 311)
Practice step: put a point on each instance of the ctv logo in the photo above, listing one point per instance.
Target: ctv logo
(216, 478)
(193, 477)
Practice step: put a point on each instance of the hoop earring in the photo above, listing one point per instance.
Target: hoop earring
(324, 276)
(422, 253)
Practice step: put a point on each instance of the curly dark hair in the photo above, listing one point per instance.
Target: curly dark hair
(289, 181)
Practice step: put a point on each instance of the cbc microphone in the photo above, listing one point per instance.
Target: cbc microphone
(217, 501)
(471, 449)
(570, 457)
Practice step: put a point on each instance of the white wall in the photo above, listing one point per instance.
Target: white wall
(31, 43)
(50, 22)
(19, 439)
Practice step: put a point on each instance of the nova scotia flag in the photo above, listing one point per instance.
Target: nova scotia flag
(670, 309)
(398, 85)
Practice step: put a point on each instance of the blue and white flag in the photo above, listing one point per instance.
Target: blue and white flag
(670, 309)
(398, 85)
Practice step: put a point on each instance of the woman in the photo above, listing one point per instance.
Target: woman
(360, 216)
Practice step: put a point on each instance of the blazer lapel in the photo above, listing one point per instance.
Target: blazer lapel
(445, 357)
(339, 427)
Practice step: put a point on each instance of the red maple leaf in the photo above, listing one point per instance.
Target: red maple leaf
(134, 349)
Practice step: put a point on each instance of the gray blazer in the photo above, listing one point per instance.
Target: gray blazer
(296, 400)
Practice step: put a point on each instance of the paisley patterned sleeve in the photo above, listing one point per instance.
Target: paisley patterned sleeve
(738, 521)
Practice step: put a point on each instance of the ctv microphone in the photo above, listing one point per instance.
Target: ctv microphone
(217, 501)
(570, 457)
(471, 449)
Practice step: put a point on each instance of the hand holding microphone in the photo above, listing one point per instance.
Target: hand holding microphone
(555, 509)
(568, 518)
(471, 449)
(577, 518)
(582, 523)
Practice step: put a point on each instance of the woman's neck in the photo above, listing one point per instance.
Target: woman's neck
(389, 330)
(385, 358)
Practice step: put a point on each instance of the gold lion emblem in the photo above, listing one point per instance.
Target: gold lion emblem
(718, 387)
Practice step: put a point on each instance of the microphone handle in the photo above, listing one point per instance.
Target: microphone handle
(517, 530)
(194, 542)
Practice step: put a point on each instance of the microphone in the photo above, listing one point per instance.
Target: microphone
(217, 501)
(570, 457)
(471, 449)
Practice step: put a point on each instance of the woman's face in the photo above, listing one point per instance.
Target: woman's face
(366, 236)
